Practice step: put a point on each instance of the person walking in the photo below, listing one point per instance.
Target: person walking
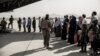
(46, 26)
(11, 19)
(19, 24)
(34, 24)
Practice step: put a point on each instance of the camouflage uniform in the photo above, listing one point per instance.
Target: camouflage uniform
(46, 26)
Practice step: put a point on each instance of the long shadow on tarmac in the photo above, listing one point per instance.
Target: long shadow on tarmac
(60, 45)
(57, 44)
(28, 52)
(77, 54)
(8, 38)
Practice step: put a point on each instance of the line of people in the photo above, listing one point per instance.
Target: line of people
(26, 24)
(65, 29)
(80, 31)
(70, 29)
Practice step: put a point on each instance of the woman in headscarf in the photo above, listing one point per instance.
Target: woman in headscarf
(72, 30)
(58, 28)
(64, 28)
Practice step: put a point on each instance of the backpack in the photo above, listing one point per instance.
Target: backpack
(45, 24)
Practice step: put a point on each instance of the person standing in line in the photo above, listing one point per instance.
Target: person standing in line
(93, 17)
(90, 31)
(95, 40)
(84, 34)
(46, 26)
(52, 24)
(55, 26)
(39, 24)
(29, 24)
(3, 24)
(24, 24)
(64, 28)
(19, 24)
(72, 30)
(34, 24)
(79, 29)
(11, 19)
(58, 28)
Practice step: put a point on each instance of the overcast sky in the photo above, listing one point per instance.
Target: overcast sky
(60, 7)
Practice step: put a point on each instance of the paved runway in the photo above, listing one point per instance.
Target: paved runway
(31, 44)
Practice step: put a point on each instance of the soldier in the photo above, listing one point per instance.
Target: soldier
(46, 26)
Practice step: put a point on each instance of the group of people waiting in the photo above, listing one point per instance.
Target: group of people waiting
(70, 29)
(66, 29)
(80, 31)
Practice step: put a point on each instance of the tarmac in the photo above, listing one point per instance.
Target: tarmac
(31, 44)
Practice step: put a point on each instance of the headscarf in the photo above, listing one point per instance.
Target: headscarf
(57, 23)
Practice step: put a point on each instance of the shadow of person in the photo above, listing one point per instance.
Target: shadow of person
(58, 44)
(67, 48)
(77, 54)
(28, 52)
